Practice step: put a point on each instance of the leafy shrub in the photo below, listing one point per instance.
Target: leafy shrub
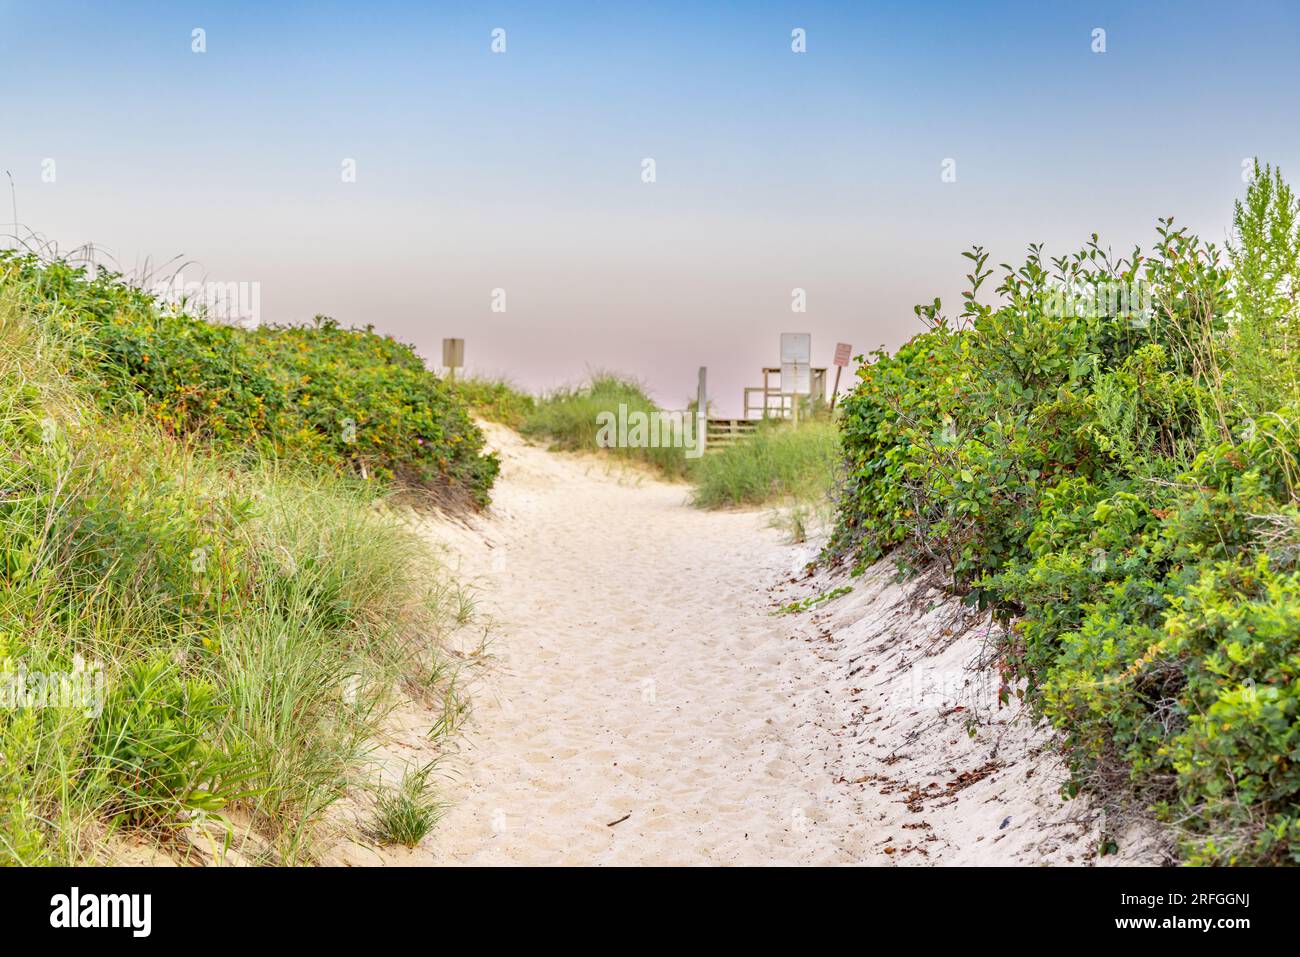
(249, 618)
(155, 743)
(344, 399)
(1117, 484)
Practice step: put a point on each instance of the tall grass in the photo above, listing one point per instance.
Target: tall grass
(405, 814)
(779, 464)
(250, 623)
(496, 400)
(570, 419)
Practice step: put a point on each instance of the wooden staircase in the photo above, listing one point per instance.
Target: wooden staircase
(723, 433)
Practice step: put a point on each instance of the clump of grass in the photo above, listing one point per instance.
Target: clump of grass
(801, 519)
(405, 814)
(496, 400)
(247, 621)
(779, 464)
(570, 419)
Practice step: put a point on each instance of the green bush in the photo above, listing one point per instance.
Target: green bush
(343, 399)
(1116, 479)
(155, 744)
(247, 619)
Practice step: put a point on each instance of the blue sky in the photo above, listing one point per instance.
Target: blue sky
(522, 171)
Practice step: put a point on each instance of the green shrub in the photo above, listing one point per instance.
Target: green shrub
(1265, 261)
(156, 745)
(343, 399)
(1120, 485)
(247, 619)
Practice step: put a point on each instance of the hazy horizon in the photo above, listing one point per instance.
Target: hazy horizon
(522, 170)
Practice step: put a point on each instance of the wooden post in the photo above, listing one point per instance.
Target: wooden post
(843, 355)
(794, 398)
(702, 409)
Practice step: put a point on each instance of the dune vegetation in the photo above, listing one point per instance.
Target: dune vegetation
(1109, 458)
(779, 465)
(343, 400)
(209, 599)
(496, 400)
(570, 419)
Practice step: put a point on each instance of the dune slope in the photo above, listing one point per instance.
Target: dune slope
(644, 701)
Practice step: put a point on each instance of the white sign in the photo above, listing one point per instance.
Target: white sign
(843, 353)
(796, 347)
(796, 363)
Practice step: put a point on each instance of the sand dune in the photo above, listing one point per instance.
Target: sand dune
(642, 703)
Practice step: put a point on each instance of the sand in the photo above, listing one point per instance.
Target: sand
(942, 770)
(637, 676)
(642, 700)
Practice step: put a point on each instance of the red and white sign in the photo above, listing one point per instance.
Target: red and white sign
(843, 353)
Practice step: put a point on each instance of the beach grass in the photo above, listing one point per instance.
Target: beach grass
(496, 400)
(188, 635)
(406, 813)
(779, 464)
(570, 419)
(792, 468)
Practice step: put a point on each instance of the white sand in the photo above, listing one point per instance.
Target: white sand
(637, 674)
(944, 773)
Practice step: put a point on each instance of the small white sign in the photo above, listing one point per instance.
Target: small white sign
(796, 347)
(843, 353)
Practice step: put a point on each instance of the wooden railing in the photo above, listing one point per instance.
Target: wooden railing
(726, 432)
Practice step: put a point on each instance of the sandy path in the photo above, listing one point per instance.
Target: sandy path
(640, 703)
(638, 673)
